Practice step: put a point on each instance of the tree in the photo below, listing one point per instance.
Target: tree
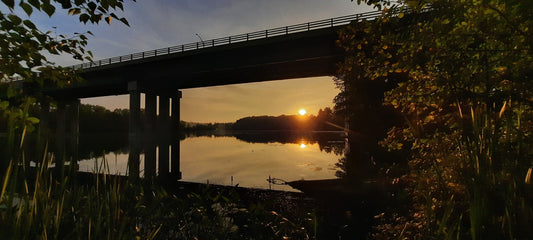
(462, 72)
(23, 49)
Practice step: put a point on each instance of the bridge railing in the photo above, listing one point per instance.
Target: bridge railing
(326, 23)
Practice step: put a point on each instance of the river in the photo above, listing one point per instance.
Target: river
(247, 159)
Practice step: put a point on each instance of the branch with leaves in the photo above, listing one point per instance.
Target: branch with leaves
(24, 46)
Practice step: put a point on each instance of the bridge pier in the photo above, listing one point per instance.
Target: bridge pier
(176, 130)
(67, 135)
(163, 131)
(74, 134)
(134, 136)
(159, 131)
(150, 154)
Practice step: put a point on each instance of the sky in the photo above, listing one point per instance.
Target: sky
(163, 23)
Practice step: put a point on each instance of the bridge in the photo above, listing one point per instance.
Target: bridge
(297, 51)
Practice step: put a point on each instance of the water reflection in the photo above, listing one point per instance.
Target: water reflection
(247, 159)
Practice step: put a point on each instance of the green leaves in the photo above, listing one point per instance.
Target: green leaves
(48, 9)
(29, 24)
(4, 105)
(84, 18)
(9, 3)
(35, 3)
(14, 19)
(26, 7)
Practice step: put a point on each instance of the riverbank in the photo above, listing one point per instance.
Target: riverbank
(325, 209)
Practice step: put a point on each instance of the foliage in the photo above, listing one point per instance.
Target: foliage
(214, 213)
(464, 72)
(24, 67)
(35, 205)
(23, 45)
(97, 118)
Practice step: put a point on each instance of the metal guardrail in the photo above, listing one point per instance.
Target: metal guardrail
(304, 27)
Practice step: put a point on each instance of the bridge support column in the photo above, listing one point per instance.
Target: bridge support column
(74, 133)
(67, 134)
(134, 130)
(150, 145)
(164, 126)
(60, 153)
(44, 130)
(176, 130)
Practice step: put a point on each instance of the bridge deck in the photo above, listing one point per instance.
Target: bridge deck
(297, 51)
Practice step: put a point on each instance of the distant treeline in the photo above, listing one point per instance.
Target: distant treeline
(99, 119)
(324, 121)
(93, 118)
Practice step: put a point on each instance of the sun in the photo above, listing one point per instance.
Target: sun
(302, 112)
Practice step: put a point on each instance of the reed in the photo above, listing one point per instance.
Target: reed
(39, 206)
(494, 158)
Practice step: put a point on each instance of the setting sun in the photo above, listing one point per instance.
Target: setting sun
(302, 112)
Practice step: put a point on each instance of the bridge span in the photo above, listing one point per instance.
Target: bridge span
(297, 51)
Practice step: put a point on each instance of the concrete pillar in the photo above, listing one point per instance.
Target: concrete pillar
(74, 117)
(134, 130)
(175, 151)
(60, 152)
(151, 113)
(176, 113)
(164, 122)
(135, 109)
(163, 159)
(150, 126)
(73, 134)
(164, 115)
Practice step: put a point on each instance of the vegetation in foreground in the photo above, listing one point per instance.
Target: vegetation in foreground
(35, 205)
(458, 76)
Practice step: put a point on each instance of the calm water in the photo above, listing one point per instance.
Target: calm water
(249, 158)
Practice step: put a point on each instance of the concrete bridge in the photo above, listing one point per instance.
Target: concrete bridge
(297, 51)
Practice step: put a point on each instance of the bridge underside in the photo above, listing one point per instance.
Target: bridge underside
(306, 54)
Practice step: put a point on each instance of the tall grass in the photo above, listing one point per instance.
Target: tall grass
(36, 205)
(494, 157)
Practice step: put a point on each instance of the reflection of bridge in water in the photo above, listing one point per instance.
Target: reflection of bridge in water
(297, 51)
